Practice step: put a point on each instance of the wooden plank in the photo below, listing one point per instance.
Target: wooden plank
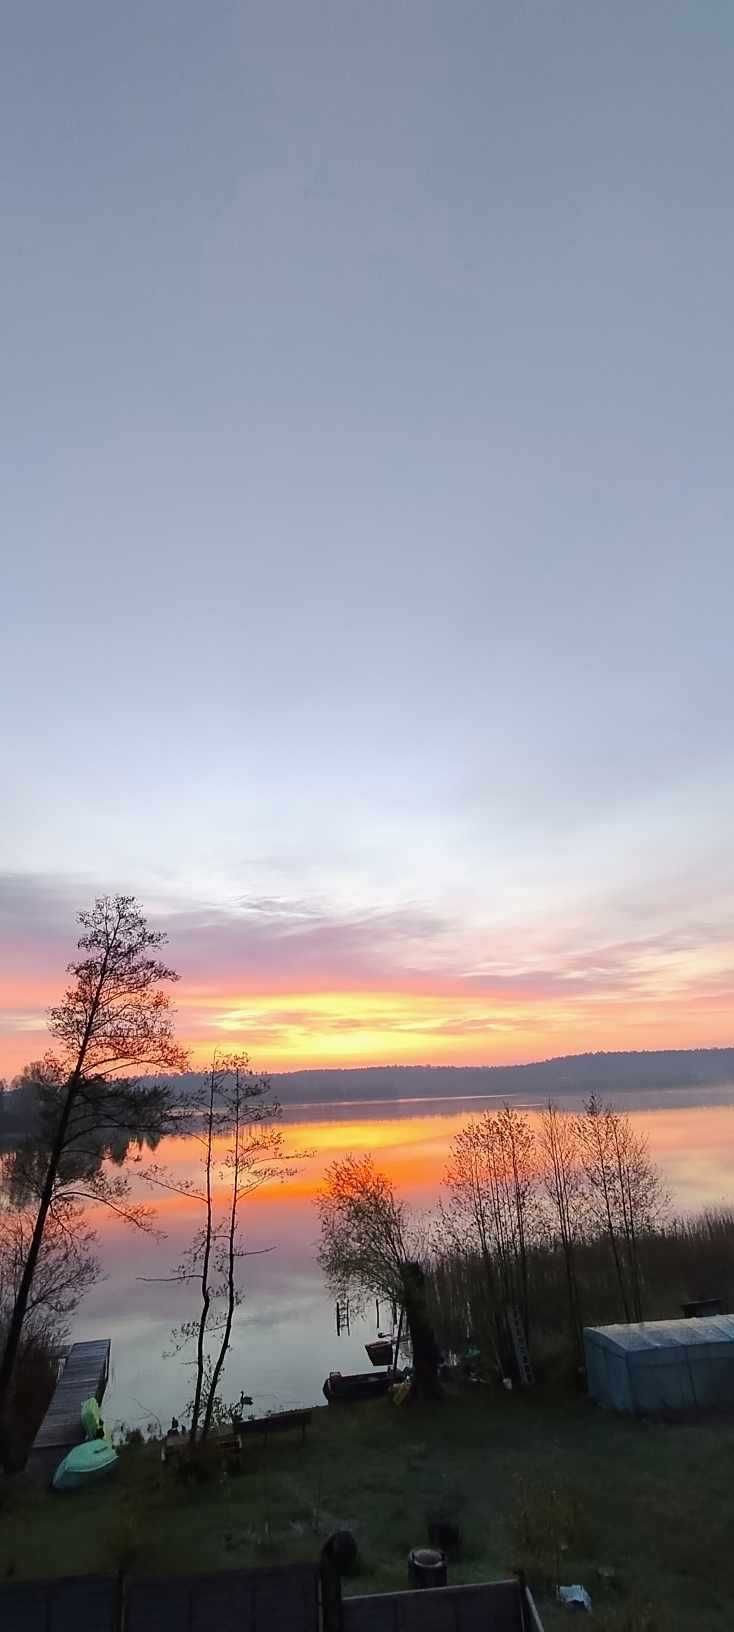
(279, 1422)
(286, 1598)
(67, 1605)
(230, 1439)
(218, 1440)
(534, 1623)
(85, 1372)
(495, 1604)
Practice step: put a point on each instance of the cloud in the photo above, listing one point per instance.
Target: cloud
(12, 1021)
(273, 943)
(296, 978)
(37, 909)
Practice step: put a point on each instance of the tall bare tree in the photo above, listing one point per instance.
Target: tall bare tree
(234, 1120)
(369, 1248)
(593, 1129)
(492, 1181)
(464, 1223)
(114, 1018)
(562, 1182)
(624, 1192)
(643, 1197)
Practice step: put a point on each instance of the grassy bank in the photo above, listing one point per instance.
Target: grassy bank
(533, 1480)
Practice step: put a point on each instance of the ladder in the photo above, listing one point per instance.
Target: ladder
(522, 1358)
(342, 1316)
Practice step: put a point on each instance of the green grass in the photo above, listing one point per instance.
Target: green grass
(534, 1480)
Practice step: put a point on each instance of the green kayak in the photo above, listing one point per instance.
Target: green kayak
(92, 1418)
(85, 1465)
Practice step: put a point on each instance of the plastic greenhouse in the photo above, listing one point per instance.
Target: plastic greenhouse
(662, 1365)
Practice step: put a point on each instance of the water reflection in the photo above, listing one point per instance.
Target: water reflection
(286, 1340)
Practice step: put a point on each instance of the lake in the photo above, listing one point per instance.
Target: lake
(286, 1341)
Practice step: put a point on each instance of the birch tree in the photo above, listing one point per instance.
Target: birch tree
(233, 1121)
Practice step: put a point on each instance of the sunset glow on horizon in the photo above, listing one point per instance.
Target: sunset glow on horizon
(451, 1025)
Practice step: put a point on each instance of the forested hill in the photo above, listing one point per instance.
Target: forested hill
(617, 1073)
(693, 1069)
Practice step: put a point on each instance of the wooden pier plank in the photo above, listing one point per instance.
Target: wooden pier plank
(85, 1372)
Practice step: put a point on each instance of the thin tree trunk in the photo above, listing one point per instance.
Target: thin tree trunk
(521, 1246)
(631, 1239)
(615, 1254)
(489, 1270)
(231, 1291)
(560, 1197)
(205, 1292)
(628, 1221)
(425, 1384)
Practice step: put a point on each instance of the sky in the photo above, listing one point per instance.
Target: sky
(367, 495)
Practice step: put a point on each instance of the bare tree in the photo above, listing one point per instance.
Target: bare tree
(467, 1221)
(624, 1191)
(66, 1267)
(234, 1121)
(492, 1182)
(562, 1183)
(517, 1175)
(114, 1017)
(644, 1200)
(596, 1153)
(368, 1248)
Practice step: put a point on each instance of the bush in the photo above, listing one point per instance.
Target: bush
(687, 1258)
(123, 1542)
(35, 1381)
(549, 1523)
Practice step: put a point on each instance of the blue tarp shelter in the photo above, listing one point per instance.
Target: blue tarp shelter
(662, 1365)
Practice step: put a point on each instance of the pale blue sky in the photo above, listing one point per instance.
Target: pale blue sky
(367, 463)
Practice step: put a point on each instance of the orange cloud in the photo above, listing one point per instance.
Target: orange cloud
(300, 988)
(471, 1026)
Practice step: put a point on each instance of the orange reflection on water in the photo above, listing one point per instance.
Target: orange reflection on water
(693, 1145)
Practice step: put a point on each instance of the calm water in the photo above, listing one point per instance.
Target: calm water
(286, 1341)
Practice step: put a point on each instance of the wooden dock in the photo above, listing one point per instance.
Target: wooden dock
(85, 1372)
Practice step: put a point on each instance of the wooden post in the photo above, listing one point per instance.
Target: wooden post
(397, 1345)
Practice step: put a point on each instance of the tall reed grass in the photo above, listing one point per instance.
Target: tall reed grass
(684, 1259)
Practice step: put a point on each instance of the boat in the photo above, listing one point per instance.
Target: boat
(360, 1385)
(91, 1418)
(380, 1352)
(85, 1465)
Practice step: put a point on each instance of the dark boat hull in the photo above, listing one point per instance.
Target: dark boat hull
(362, 1385)
(380, 1352)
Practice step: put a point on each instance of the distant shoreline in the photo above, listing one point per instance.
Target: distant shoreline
(625, 1073)
(621, 1072)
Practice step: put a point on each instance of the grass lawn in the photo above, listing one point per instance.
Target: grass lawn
(532, 1480)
